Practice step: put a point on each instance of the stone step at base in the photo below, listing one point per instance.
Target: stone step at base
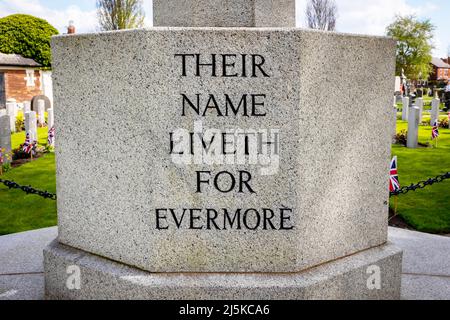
(74, 274)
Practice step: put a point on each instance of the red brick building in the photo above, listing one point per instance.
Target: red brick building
(20, 78)
(441, 70)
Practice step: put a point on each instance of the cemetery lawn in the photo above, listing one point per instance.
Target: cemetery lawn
(21, 212)
(428, 209)
(18, 138)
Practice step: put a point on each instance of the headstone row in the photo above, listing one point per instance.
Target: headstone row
(31, 121)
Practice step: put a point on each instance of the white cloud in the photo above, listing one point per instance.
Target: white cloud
(85, 21)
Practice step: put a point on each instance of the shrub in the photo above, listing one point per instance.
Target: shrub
(443, 123)
(20, 124)
(28, 36)
(400, 137)
(6, 167)
(7, 157)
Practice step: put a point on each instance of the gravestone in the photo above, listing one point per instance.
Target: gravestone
(419, 103)
(34, 102)
(405, 108)
(5, 136)
(11, 112)
(30, 122)
(394, 121)
(434, 113)
(26, 107)
(13, 102)
(41, 112)
(50, 118)
(413, 127)
(229, 189)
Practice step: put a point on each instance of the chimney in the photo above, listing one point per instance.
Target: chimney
(71, 28)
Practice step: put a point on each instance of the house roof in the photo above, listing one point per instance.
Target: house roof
(439, 63)
(16, 60)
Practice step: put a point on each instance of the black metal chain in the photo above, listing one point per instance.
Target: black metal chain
(28, 189)
(421, 184)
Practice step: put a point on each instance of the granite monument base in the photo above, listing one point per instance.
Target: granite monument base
(74, 274)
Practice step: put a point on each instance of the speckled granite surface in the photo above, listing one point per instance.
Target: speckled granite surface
(118, 96)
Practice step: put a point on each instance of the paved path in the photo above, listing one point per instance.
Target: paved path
(21, 265)
(426, 264)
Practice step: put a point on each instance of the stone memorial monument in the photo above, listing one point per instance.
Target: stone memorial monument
(405, 108)
(30, 123)
(394, 122)
(413, 127)
(419, 102)
(434, 113)
(11, 112)
(41, 112)
(26, 107)
(5, 137)
(50, 118)
(231, 186)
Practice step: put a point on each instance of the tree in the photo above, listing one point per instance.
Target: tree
(321, 14)
(120, 14)
(414, 45)
(28, 36)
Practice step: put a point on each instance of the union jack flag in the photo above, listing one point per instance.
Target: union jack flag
(27, 146)
(51, 136)
(394, 184)
(435, 130)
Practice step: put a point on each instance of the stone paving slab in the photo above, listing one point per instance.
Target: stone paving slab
(22, 287)
(423, 253)
(22, 252)
(418, 287)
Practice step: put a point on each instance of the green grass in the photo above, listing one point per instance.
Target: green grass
(21, 212)
(427, 209)
(18, 138)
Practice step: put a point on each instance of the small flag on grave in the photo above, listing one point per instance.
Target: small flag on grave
(394, 184)
(51, 136)
(27, 146)
(435, 130)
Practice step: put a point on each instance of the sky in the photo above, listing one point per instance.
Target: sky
(354, 16)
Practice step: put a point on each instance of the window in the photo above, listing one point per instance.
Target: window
(30, 78)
